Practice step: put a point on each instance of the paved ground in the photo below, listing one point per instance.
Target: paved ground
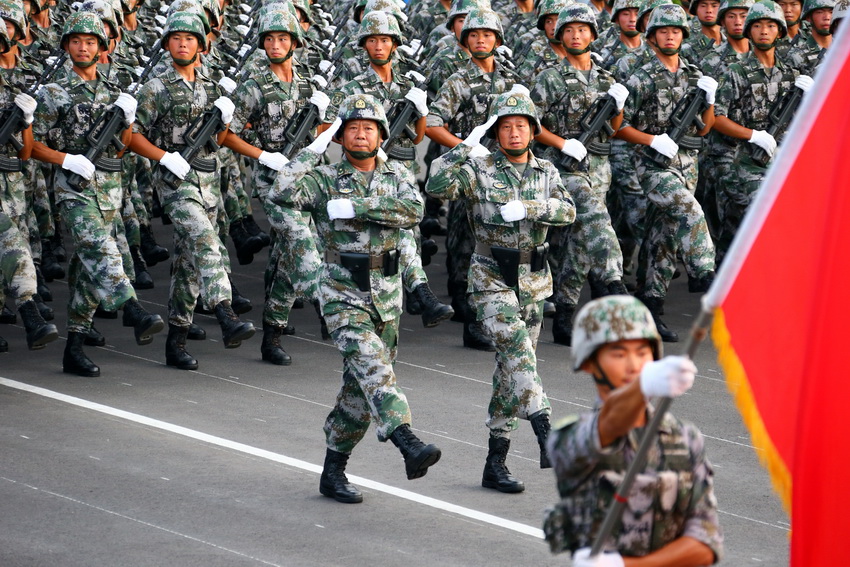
(148, 465)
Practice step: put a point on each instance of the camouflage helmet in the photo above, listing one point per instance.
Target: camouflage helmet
(461, 8)
(192, 7)
(766, 10)
(513, 104)
(692, 7)
(106, 13)
(363, 107)
(378, 23)
(388, 6)
(482, 19)
(5, 42)
(214, 9)
(669, 15)
(189, 22)
(625, 5)
(810, 6)
(36, 6)
(304, 6)
(278, 6)
(838, 13)
(610, 319)
(731, 5)
(549, 7)
(648, 8)
(278, 21)
(13, 11)
(357, 14)
(576, 13)
(85, 23)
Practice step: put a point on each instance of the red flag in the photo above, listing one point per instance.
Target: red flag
(782, 305)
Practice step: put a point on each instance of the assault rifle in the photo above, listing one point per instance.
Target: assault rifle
(781, 113)
(687, 113)
(12, 117)
(597, 118)
(400, 117)
(201, 134)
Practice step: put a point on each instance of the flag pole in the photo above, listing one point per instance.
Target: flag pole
(698, 333)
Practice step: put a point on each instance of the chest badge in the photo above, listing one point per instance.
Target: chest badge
(499, 185)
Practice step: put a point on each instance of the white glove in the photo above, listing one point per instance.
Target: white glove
(319, 81)
(245, 8)
(326, 67)
(664, 145)
(228, 84)
(340, 209)
(159, 32)
(175, 163)
(581, 558)
(27, 104)
(331, 30)
(160, 19)
(407, 50)
(709, 85)
(226, 106)
(128, 104)
(619, 93)
(420, 99)
(245, 47)
(519, 89)
(320, 144)
(415, 45)
(764, 140)
(574, 149)
(478, 151)
(669, 377)
(138, 71)
(79, 164)
(50, 61)
(804, 83)
(505, 50)
(415, 77)
(274, 160)
(245, 19)
(329, 46)
(513, 211)
(474, 138)
(321, 100)
(163, 9)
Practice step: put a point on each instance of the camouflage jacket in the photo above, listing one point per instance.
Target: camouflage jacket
(444, 64)
(717, 61)
(516, 24)
(487, 183)
(698, 45)
(615, 51)
(623, 67)
(785, 44)
(423, 21)
(537, 61)
(805, 56)
(13, 188)
(672, 497)
(67, 109)
(390, 203)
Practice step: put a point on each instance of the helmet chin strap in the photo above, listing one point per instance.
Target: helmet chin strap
(360, 154)
(602, 379)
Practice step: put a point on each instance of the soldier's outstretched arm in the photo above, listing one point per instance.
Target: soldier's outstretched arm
(447, 179)
(559, 209)
(404, 210)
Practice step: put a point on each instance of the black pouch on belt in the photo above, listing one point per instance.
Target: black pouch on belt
(508, 260)
(358, 265)
(391, 258)
(539, 257)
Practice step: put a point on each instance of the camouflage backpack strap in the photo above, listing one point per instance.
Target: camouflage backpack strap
(69, 134)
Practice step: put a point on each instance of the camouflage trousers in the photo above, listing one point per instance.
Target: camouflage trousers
(369, 390)
(410, 259)
(517, 388)
(294, 262)
(124, 247)
(744, 178)
(16, 265)
(676, 224)
(43, 223)
(460, 244)
(589, 244)
(198, 266)
(627, 201)
(237, 203)
(96, 273)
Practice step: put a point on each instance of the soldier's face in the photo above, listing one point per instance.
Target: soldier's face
(764, 31)
(514, 132)
(821, 18)
(576, 35)
(361, 135)
(791, 9)
(183, 45)
(621, 362)
(481, 40)
(668, 37)
(549, 25)
(277, 44)
(379, 46)
(707, 10)
(27, 7)
(627, 19)
(458, 25)
(733, 20)
(11, 30)
(82, 47)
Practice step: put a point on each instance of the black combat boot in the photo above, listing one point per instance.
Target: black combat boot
(334, 484)
(175, 349)
(540, 425)
(271, 349)
(433, 310)
(7, 316)
(39, 332)
(562, 324)
(246, 245)
(617, 287)
(549, 309)
(239, 302)
(412, 304)
(254, 229)
(196, 333)
(145, 325)
(94, 338)
(417, 455)
(474, 337)
(656, 308)
(50, 266)
(4, 346)
(75, 361)
(58, 245)
(233, 330)
(431, 226)
(143, 278)
(41, 284)
(102, 313)
(701, 284)
(428, 248)
(496, 473)
(597, 289)
(152, 253)
(43, 308)
(323, 326)
(461, 307)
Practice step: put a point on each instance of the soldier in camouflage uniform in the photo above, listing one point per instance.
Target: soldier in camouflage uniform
(16, 263)
(462, 103)
(89, 196)
(671, 514)
(795, 27)
(746, 95)
(544, 50)
(359, 206)
(675, 221)
(709, 35)
(627, 40)
(168, 104)
(513, 198)
(563, 95)
(806, 56)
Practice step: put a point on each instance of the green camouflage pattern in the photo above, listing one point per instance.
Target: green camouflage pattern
(766, 10)
(87, 23)
(379, 23)
(16, 263)
(190, 22)
(279, 21)
(668, 15)
(576, 13)
(482, 18)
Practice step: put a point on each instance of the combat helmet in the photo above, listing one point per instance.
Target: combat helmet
(388, 6)
(192, 7)
(13, 11)
(549, 7)
(766, 10)
(625, 5)
(482, 19)
(648, 8)
(304, 7)
(378, 23)
(513, 103)
(189, 22)
(610, 319)
(279, 21)
(576, 13)
(363, 107)
(278, 6)
(87, 23)
(810, 6)
(462, 8)
(106, 12)
(666, 15)
(5, 43)
(839, 13)
(214, 9)
(732, 4)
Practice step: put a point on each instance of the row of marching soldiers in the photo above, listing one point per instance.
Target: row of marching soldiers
(130, 112)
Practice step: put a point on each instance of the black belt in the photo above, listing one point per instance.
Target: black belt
(509, 259)
(373, 261)
(523, 256)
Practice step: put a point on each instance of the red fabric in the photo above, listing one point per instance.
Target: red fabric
(788, 313)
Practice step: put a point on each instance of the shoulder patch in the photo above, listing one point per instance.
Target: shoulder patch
(337, 98)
